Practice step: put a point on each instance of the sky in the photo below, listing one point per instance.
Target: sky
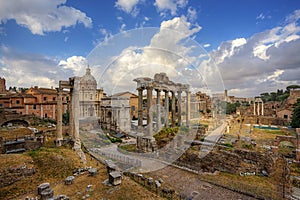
(247, 47)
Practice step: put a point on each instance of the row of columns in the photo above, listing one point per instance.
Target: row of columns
(259, 109)
(158, 108)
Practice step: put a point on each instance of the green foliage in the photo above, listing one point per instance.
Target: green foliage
(279, 95)
(114, 140)
(231, 107)
(288, 88)
(129, 147)
(228, 145)
(66, 117)
(295, 123)
(247, 146)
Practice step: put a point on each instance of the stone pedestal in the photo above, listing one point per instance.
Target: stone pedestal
(146, 144)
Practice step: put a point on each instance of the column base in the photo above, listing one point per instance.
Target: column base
(58, 142)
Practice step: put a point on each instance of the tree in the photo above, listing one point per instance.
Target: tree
(66, 117)
(295, 123)
(288, 88)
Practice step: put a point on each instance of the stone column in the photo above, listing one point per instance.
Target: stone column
(258, 113)
(262, 108)
(140, 109)
(149, 114)
(75, 108)
(179, 107)
(254, 113)
(59, 136)
(167, 108)
(173, 109)
(42, 111)
(71, 117)
(188, 108)
(158, 121)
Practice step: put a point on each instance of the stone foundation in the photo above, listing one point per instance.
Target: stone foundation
(146, 144)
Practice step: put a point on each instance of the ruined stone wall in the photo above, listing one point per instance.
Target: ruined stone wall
(265, 120)
(13, 174)
(236, 161)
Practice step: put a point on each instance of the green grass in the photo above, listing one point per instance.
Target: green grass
(129, 147)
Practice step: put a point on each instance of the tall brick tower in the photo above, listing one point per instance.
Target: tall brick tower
(2, 85)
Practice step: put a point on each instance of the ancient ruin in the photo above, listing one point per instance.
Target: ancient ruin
(161, 82)
(258, 107)
(73, 86)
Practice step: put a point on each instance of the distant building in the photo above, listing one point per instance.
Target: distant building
(89, 96)
(2, 86)
(285, 113)
(133, 102)
(294, 95)
(115, 113)
(40, 102)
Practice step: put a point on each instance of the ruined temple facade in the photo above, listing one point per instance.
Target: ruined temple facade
(159, 114)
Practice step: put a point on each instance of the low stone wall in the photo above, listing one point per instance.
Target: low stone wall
(235, 161)
(11, 175)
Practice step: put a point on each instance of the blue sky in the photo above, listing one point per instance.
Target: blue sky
(254, 43)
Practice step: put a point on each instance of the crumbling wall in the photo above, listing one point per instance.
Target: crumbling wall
(235, 161)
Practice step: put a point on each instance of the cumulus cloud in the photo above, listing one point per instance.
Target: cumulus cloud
(26, 70)
(264, 62)
(170, 5)
(168, 51)
(128, 6)
(76, 64)
(42, 16)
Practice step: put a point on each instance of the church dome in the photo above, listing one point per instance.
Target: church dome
(88, 81)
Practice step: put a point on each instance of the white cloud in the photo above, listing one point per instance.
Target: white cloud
(76, 64)
(264, 62)
(206, 45)
(192, 14)
(167, 52)
(261, 16)
(170, 5)
(26, 70)
(107, 35)
(122, 29)
(128, 6)
(42, 16)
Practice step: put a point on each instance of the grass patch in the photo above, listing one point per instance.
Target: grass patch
(258, 185)
(129, 147)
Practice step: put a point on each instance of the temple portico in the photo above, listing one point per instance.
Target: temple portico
(172, 91)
